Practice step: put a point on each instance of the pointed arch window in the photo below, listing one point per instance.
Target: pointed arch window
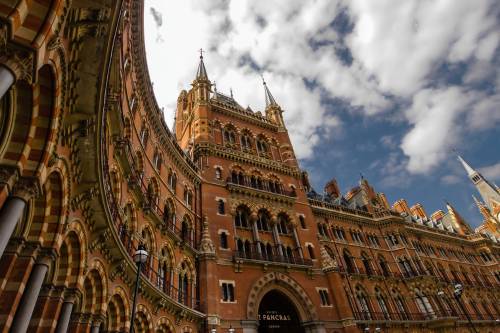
(221, 207)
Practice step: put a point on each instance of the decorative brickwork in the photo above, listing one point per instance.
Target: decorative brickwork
(89, 171)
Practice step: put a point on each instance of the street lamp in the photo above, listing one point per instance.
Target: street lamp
(457, 293)
(231, 329)
(213, 330)
(140, 258)
(378, 329)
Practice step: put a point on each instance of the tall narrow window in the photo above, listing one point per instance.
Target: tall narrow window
(323, 295)
(218, 173)
(310, 249)
(227, 291)
(223, 240)
(220, 207)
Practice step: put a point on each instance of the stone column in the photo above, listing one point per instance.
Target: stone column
(95, 327)
(13, 209)
(30, 296)
(276, 235)
(255, 231)
(65, 316)
(297, 241)
(7, 79)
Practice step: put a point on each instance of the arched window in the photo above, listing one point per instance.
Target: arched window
(172, 181)
(382, 303)
(241, 178)
(349, 263)
(282, 224)
(241, 217)
(157, 160)
(248, 249)
(263, 251)
(221, 207)
(364, 304)
(423, 304)
(366, 263)
(263, 220)
(144, 134)
(401, 306)
(185, 231)
(218, 173)
(289, 253)
(246, 143)
(223, 240)
(310, 249)
(302, 221)
(241, 249)
(183, 288)
(383, 266)
(269, 251)
(405, 267)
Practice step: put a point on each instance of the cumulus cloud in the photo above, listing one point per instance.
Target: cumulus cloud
(491, 172)
(380, 58)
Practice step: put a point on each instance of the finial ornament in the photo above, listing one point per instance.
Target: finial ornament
(206, 245)
(201, 53)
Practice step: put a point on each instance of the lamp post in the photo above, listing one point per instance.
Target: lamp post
(140, 257)
(231, 329)
(457, 293)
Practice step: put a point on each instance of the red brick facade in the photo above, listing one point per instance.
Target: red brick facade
(236, 236)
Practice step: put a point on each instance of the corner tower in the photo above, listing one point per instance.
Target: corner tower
(193, 108)
(489, 193)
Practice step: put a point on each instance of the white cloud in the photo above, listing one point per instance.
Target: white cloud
(434, 116)
(491, 172)
(396, 47)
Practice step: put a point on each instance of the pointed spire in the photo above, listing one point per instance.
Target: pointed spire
(201, 74)
(467, 167)
(269, 97)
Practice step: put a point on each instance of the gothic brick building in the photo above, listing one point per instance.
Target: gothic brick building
(236, 236)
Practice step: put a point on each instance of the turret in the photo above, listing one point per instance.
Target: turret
(191, 119)
(201, 84)
(273, 110)
(489, 193)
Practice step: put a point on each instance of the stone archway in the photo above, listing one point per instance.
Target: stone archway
(278, 313)
(289, 290)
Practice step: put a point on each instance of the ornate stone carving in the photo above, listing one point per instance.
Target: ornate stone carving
(26, 188)
(4, 35)
(8, 176)
(206, 245)
(20, 62)
(327, 262)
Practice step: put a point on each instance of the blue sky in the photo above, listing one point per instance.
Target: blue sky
(383, 88)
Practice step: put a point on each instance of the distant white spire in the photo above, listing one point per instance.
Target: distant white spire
(466, 166)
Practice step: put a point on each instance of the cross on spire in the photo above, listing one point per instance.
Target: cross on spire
(201, 74)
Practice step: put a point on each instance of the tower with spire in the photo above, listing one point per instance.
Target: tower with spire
(193, 109)
(489, 192)
(490, 207)
(273, 110)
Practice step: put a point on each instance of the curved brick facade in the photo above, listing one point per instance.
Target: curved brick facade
(89, 170)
